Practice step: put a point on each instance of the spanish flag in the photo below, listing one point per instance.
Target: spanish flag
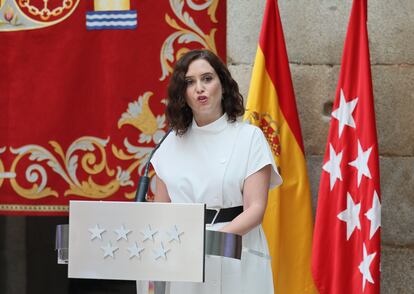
(271, 105)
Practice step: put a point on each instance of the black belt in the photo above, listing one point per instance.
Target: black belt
(223, 214)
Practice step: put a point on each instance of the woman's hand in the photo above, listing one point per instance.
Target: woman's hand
(255, 190)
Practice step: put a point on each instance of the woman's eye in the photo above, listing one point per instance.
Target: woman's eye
(189, 82)
(208, 78)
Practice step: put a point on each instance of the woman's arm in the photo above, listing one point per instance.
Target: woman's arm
(161, 192)
(255, 190)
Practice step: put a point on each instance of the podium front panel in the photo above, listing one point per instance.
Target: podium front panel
(136, 241)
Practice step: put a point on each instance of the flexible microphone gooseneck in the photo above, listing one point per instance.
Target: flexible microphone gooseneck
(143, 184)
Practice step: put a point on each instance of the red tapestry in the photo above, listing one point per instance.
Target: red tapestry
(82, 93)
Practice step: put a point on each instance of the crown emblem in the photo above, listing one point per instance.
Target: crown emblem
(269, 127)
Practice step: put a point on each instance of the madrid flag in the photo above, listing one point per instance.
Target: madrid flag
(346, 244)
(271, 106)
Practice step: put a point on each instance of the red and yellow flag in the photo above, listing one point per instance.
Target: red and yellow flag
(271, 105)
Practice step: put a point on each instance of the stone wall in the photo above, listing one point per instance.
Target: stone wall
(315, 33)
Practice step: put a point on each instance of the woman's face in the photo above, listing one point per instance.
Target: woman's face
(204, 91)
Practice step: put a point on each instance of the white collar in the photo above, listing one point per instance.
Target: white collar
(213, 127)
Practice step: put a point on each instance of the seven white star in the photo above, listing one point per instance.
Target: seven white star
(135, 250)
(161, 252)
(364, 267)
(333, 166)
(351, 216)
(361, 162)
(174, 234)
(96, 232)
(344, 113)
(148, 233)
(122, 233)
(374, 215)
(109, 250)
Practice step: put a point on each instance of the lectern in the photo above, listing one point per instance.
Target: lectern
(140, 241)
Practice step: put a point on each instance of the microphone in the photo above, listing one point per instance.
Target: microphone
(143, 184)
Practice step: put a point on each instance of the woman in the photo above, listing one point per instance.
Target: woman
(211, 157)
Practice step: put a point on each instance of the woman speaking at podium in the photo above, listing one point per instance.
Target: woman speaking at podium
(212, 157)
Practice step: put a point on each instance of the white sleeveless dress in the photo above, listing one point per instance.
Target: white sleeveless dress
(209, 165)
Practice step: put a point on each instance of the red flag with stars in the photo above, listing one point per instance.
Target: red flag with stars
(346, 244)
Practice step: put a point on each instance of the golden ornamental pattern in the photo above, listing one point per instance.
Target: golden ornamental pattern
(20, 15)
(45, 12)
(2, 170)
(37, 208)
(87, 156)
(186, 32)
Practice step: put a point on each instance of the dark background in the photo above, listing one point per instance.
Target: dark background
(28, 261)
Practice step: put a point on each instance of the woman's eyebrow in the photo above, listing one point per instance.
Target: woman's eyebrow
(203, 74)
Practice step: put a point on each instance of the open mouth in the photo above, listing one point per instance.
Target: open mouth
(202, 99)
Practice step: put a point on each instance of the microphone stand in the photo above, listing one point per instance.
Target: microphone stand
(144, 180)
(140, 196)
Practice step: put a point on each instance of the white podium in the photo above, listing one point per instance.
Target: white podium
(140, 241)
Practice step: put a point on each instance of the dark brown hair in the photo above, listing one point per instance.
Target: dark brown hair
(179, 114)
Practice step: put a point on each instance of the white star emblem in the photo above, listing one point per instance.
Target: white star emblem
(109, 250)
(96, 232)
(374, 215)
(351, 216)
(161, 252)
(148, 233)
(364, 267)
(122, 233)
(174, 234)
(361, 162)
(135, 250)
(333, 166)
(344, 113)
